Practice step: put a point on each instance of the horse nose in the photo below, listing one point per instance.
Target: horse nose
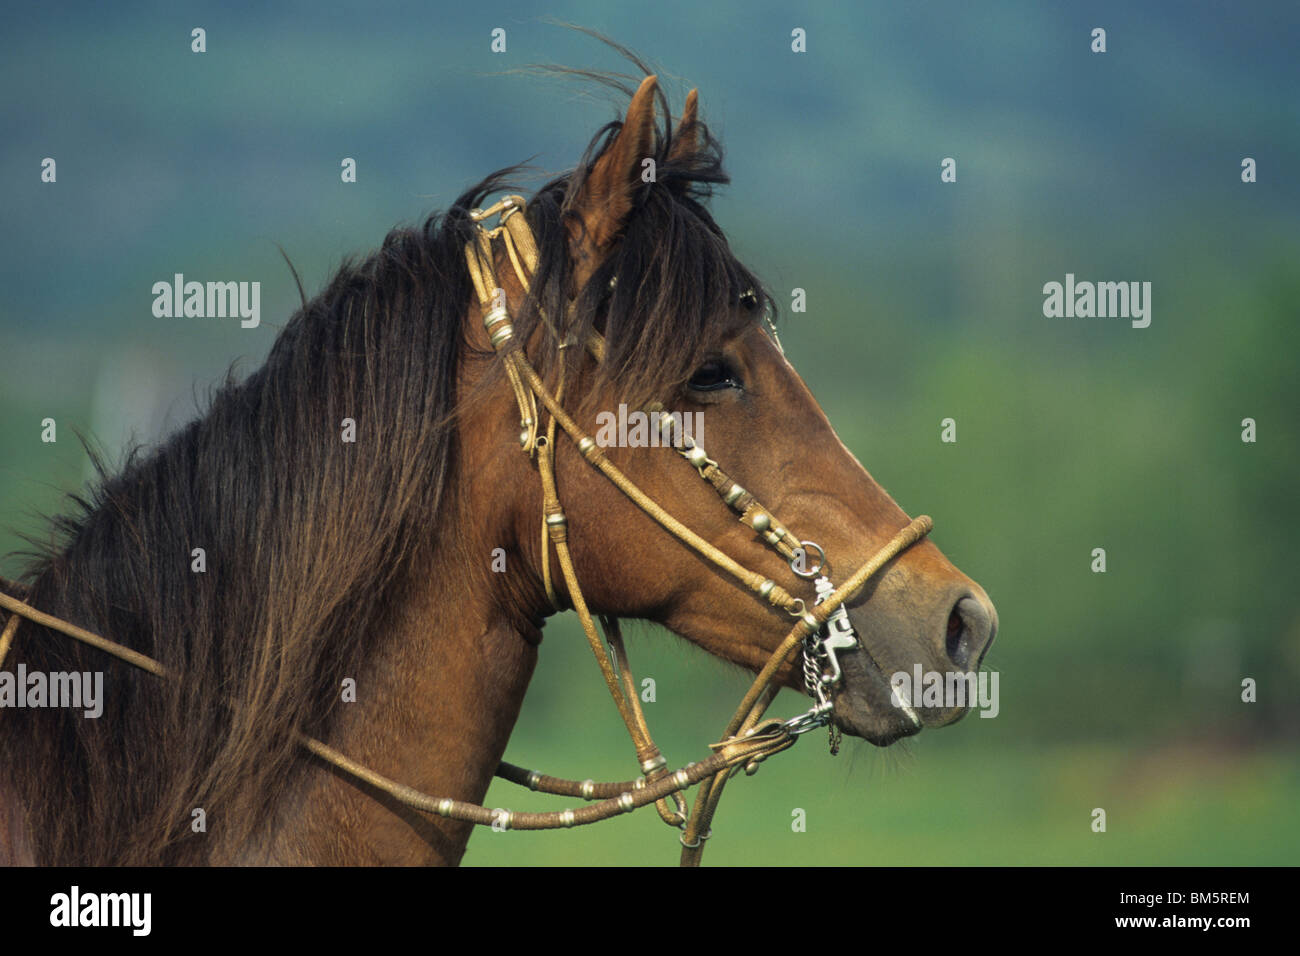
(972, 625)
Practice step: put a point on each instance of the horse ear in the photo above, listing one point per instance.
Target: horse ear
(605, 198)
(686, 141)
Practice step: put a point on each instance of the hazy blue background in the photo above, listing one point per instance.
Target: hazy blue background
(1119, 690)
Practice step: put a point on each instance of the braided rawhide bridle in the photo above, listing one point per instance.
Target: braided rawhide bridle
(822, 631)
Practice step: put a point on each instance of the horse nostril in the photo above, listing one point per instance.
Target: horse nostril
(953, 640)
(970, 631)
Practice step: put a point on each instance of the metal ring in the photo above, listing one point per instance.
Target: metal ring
(821, 561)
(698, 840)
(588, 789)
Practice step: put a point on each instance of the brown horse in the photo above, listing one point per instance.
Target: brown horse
(373, 559)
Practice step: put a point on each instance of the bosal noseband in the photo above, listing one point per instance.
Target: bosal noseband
(822, 631)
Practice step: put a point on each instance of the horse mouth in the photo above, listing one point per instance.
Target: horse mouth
(866, 706)
(879, 729)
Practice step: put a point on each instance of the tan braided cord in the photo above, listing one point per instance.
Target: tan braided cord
(7, 637)
(134, 658)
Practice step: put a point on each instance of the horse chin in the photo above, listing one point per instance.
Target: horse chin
(864, 705)
(879, 729)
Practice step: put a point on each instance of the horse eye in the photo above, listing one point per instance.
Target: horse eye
(713, 375)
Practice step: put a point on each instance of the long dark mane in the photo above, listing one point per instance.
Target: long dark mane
(308, 538)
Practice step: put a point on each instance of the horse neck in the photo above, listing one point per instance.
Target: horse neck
(434, 710)
(436, 696)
